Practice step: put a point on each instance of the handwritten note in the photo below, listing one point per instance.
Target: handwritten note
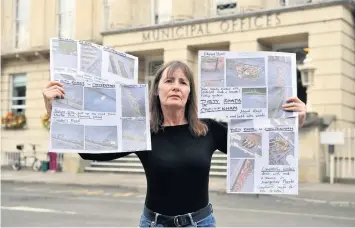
(277, 180)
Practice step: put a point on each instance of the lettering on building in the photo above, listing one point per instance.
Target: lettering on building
(202, 29)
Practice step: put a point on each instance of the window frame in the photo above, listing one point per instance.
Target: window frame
(13, 98)
(156, 15)
(68, 13)
(20, 21)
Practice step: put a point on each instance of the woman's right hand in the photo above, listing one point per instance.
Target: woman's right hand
(52, 90)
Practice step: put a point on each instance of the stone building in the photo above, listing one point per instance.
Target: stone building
(157, 31)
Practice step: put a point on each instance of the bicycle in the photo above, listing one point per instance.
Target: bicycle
(22, 160)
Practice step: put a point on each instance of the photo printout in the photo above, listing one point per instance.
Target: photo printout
(104, 109)
(262, 156)
(245, 85)
(248, 89)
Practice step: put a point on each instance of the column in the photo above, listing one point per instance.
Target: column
(142, 11)
(120, 15)
(36, 23)
(326, 53)
(203, 9)
(83, 19)
(50, 25)
(182, 10)
(7, 28)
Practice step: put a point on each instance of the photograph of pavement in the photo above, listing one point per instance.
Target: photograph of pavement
(133, 101)
(73, 98)
(281, 148)
(101, 138)
(212, 71)
(245, 145)
(254, 98)
(121, 66)
(277, 96)
(241, 72)
(67, 136)
(64, 54)
(90, 59)
(279, 69)
(241, 175)
(99, 99)
(133, 134)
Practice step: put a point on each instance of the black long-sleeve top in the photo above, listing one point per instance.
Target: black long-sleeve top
(177, 168)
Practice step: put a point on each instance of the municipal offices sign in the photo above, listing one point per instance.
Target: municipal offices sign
(208, 28)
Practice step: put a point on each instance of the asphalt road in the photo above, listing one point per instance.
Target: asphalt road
(36, 205)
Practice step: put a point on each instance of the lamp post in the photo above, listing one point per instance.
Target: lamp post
(307, 77)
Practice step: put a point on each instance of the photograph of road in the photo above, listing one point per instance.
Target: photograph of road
(133, 101)
(133, 134)
(245, 72)
(121, 66)
(236, 123)
(283, 122)
(63, 76)
(101, 138)
(254, 98)
(279, 71)
(241, 175)
(90, 59)
(73, 98)
(281, 148)
(212, 71)
(99, 99)
(245, 145)
(67, 136)
(277, 96)
(64, 54)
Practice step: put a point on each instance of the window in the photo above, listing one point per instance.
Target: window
(18, 90)
(226, 7)
(108, 23)
(22, 10)
(152, 65)
(65, 18)
(162, 11)
(294, 2)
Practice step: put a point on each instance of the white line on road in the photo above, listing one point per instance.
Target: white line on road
(285, 213)
(32, 209)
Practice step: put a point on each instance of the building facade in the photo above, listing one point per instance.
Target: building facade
(157, 31)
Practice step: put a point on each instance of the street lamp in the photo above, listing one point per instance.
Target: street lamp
(307, 77)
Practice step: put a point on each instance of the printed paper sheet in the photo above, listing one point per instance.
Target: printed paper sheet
(248, 89)
(104, 109)
(263, 156)
(245, 85)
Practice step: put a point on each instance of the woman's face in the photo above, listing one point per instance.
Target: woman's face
(174, 90)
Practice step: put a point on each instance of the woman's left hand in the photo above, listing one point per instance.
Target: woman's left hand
(296, 105)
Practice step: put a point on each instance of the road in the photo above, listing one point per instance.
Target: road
(35, 205)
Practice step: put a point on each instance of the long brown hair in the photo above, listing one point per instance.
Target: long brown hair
(197, 127)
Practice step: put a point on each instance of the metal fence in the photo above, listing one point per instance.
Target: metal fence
(344, 157)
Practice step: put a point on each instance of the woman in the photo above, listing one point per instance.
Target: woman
(177, 168)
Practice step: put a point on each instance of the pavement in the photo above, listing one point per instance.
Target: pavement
(339, 195)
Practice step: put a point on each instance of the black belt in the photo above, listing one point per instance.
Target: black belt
(179, 220)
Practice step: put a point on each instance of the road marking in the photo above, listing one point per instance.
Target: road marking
(123, 194)
(33, 209)
(286, 213)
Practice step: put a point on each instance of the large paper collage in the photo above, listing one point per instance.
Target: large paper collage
(104, 109)
(247, 89)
